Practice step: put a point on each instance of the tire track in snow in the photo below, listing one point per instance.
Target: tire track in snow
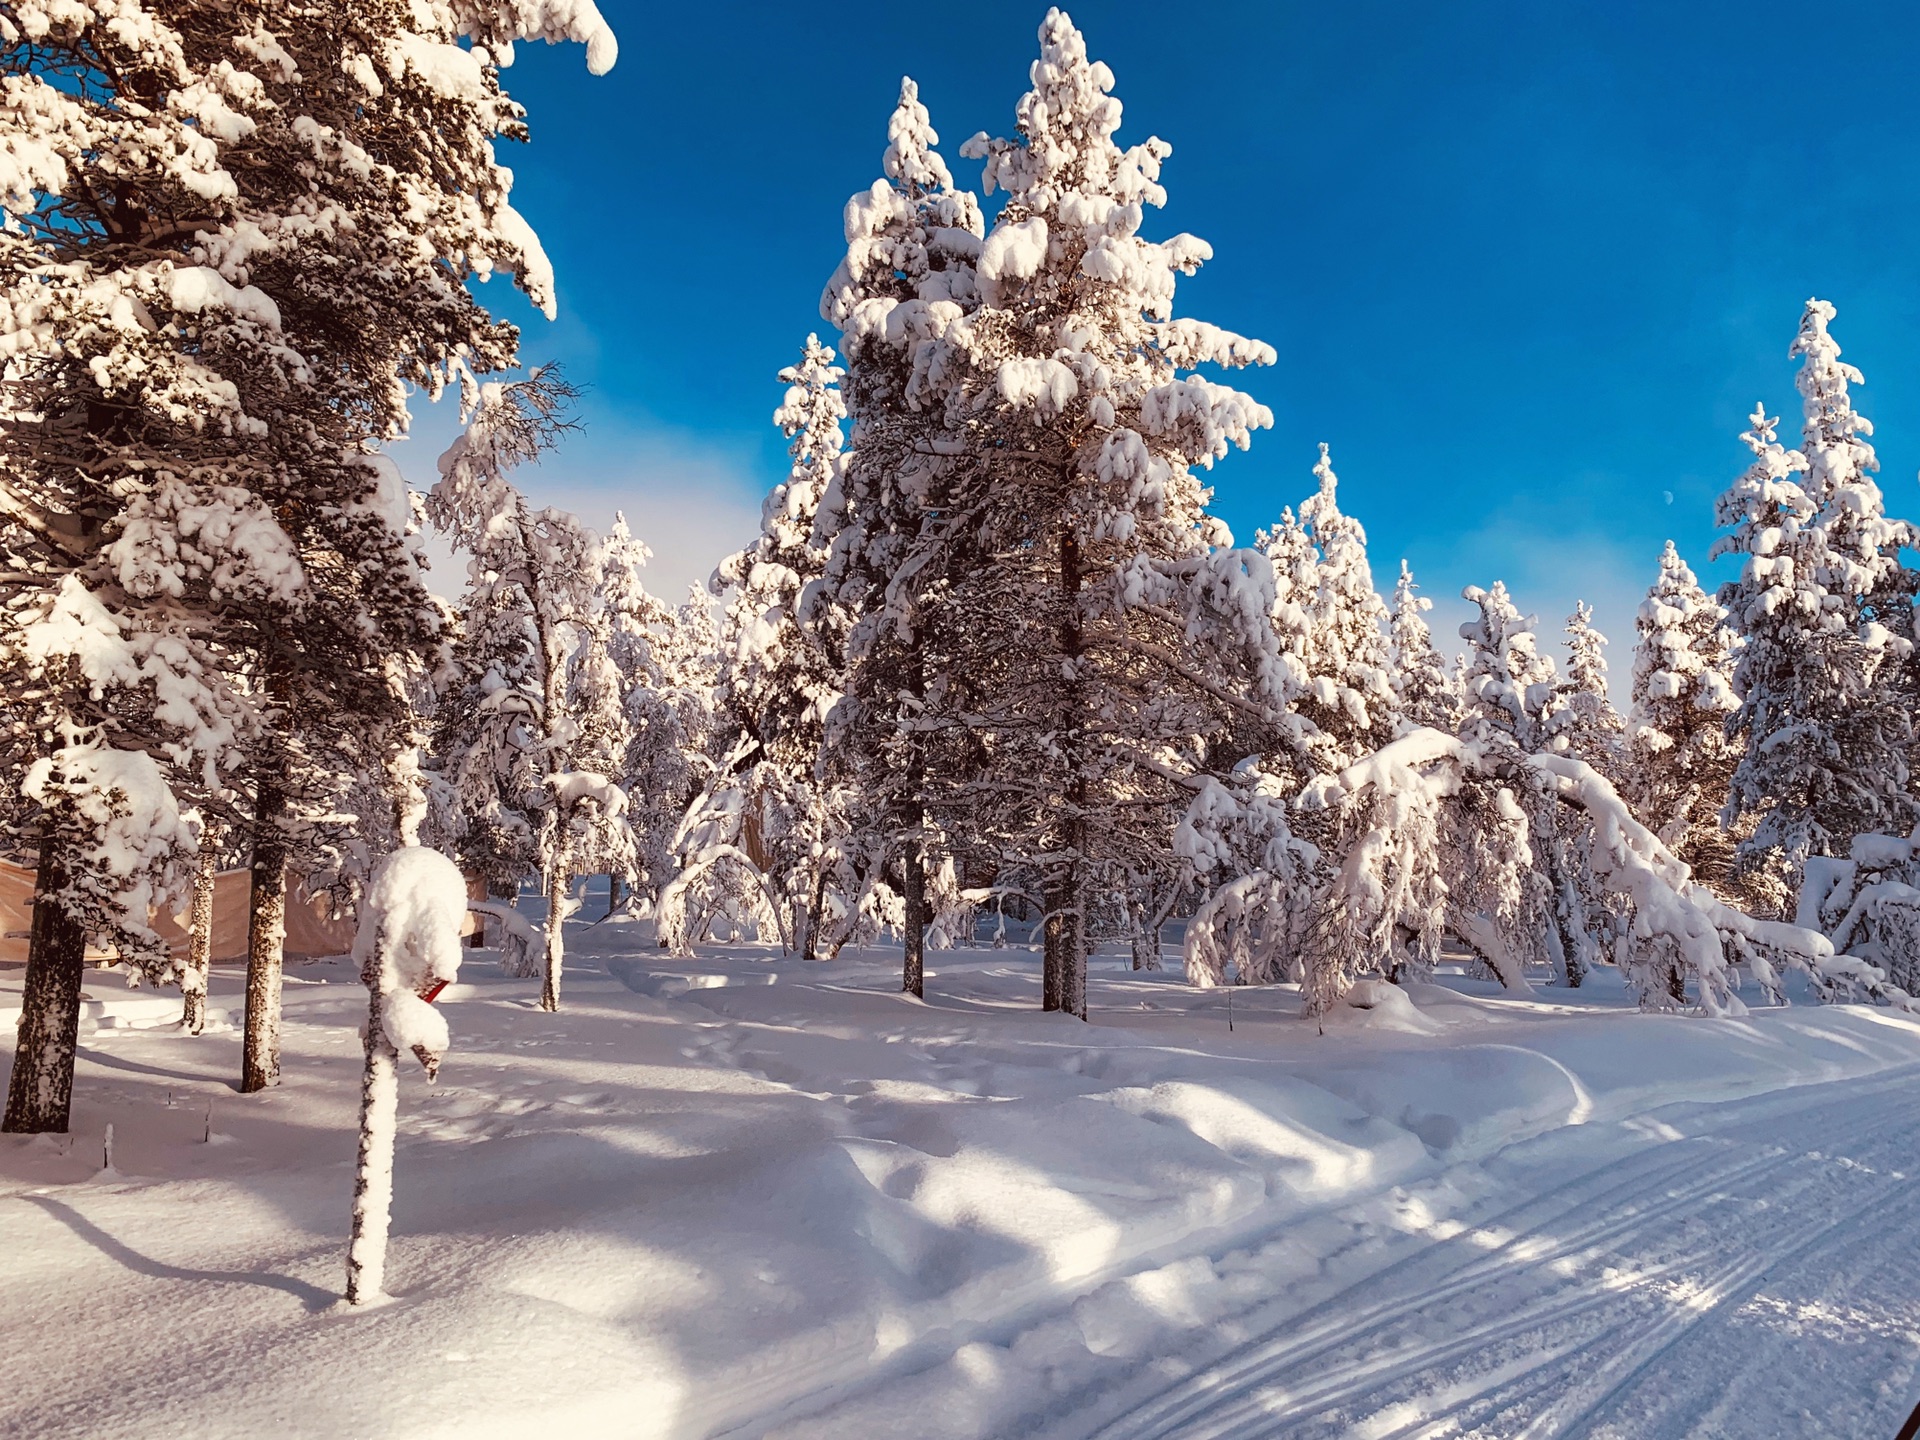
(1276, 1384)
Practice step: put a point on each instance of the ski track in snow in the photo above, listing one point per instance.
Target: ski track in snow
(1633, 1301)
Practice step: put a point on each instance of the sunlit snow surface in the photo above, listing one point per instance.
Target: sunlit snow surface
(752, 1196)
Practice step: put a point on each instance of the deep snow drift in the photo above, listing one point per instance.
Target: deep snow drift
(752, 1195)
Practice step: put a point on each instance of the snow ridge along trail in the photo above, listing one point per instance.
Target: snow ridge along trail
(1619, 1304)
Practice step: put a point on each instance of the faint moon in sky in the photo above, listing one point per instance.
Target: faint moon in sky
(1667, 495)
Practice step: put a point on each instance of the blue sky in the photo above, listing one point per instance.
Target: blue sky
(1528, 266)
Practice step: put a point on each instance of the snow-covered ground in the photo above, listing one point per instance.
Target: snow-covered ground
(740, 1195)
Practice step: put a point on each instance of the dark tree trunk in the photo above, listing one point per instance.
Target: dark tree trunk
(1053, 961)
(914, 890)
(1065, 983)
(1146, 946)
(40, 1092)
(816, 911)
(266, 939)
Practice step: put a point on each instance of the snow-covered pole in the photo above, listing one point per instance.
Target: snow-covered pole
(408, 947)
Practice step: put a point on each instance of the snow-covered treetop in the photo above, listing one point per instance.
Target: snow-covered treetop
(779, 674)
(911, 161)
(1833, 437)
(1076, 329)
(1586, 651)
(1862, 544)
(910, 240)
(1508, 680)
(1424, 690)
(1585, 721)
(636, 618)
(1068, 121)
(1352, 684)
(1684, 655)
(1772, 525)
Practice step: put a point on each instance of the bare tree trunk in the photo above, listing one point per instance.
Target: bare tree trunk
(373, 1172)
(266, 941)
(193, 983)
(40, 1091)
(914, 891)
(558, 880)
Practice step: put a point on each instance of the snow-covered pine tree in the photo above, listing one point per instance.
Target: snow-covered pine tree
(1350, 696)
(602, 738)
(1509, 683)
(1071, 527)
(781, 673)
(1680, 758)
(1864, 573)
(263, 277)
(1328, 637)
(688, 755)
(1589, 727)
(908, 280)
(1823, 756)
(1514, 691)
(639, 630)
(1865, 577)
(85, 692)
(1425, 692)
(532, 577)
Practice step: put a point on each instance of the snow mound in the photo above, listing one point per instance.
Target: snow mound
(1382, 1005)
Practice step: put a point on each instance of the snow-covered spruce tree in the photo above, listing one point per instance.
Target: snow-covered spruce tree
(1515, 692)
(1680, 757)
(781, 676)
(1072, 526)
(1332, 654)
(532, 575)
(1350, 696)
(696, 753)
(639, 627)
(1509, 683)
(1425, 692)
(627, 624)
(234, 212)
(1820, 762)
(1864, 574)
(597, 707)
(1589, 726)
(906, 282)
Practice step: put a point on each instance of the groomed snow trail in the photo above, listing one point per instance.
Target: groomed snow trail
(1751, 1271)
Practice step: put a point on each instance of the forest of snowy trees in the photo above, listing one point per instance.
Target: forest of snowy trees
(989, 658)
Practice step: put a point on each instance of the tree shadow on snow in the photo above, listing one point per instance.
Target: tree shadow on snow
(312, 1297)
